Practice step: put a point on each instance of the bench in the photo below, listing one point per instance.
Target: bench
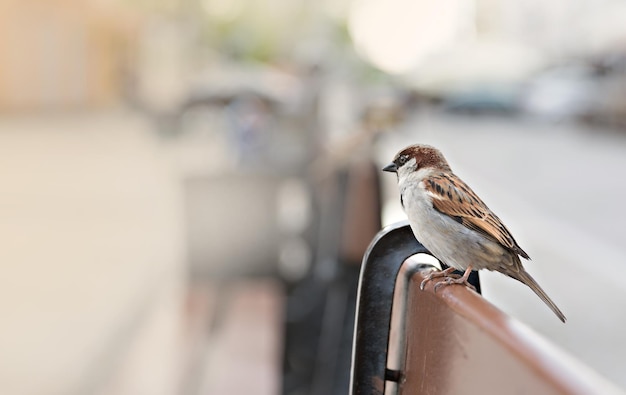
(408, 340)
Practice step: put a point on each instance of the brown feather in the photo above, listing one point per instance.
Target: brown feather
(451, 196)
(522, 276)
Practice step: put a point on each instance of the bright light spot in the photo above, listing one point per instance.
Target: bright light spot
(396, 35)
(293, 206)
(224, 10)
(294, 259)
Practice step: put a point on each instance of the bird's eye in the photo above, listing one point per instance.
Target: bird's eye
(402, 159)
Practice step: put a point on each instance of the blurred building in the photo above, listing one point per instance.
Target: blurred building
(63, 54)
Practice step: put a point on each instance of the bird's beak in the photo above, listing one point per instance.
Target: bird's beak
(392, 168)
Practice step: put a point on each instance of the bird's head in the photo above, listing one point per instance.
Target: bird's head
(417, 157)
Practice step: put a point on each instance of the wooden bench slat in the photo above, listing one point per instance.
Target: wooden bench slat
(457, 342)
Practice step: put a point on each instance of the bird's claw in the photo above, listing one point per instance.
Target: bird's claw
(444, 273)
(449, 277)
(453, 280)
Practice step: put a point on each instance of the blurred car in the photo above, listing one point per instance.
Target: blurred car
(499, 100)
(592, 90)
(561, 92)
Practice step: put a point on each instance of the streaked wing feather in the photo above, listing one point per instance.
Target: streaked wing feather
(451, 196)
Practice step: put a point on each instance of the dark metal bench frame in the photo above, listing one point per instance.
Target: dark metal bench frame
(379, 272)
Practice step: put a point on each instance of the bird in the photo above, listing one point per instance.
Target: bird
(454, 224)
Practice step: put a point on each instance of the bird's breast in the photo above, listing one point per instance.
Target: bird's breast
(448, 240)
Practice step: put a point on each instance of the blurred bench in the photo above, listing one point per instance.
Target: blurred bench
(453, 342)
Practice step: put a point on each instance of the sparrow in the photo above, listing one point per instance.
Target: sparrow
(454, 224)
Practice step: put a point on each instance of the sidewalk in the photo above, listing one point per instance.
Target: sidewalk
(92, 250)
(94, 294)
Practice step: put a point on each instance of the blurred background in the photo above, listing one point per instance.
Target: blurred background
(188, 186)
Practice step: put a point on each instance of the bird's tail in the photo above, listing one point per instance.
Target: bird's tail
(527, 279)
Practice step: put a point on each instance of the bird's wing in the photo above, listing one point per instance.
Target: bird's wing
(451, 196)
